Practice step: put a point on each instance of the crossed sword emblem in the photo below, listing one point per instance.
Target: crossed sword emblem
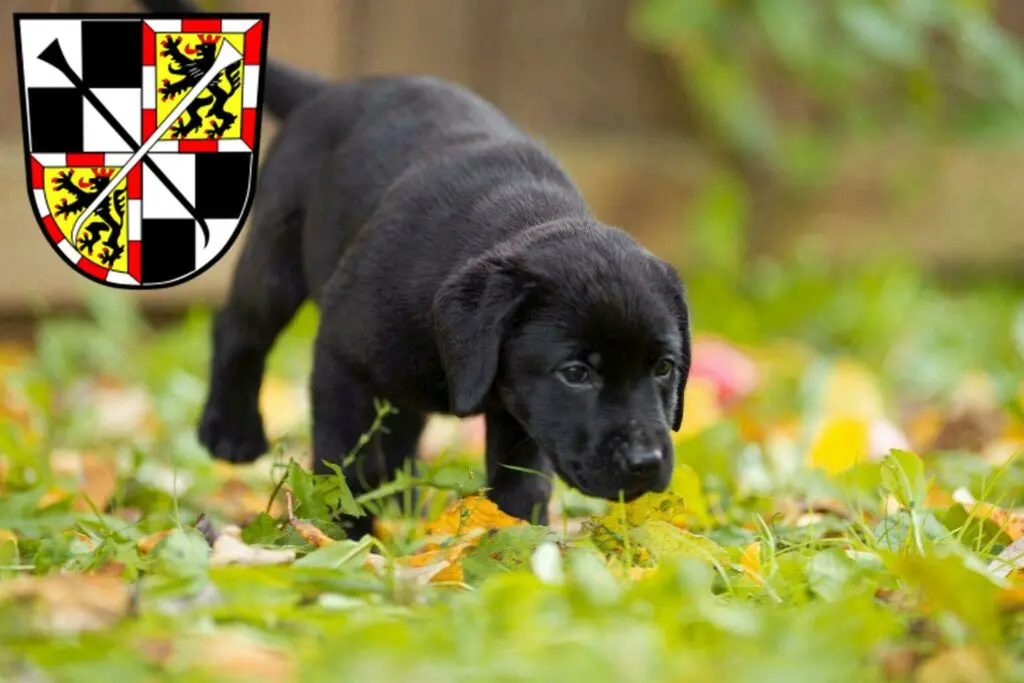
(54, 56)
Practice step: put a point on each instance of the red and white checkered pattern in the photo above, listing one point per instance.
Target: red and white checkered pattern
(253, 32)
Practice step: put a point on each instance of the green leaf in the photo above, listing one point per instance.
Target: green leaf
(828, 574)
(881, 33)
(792, 27)
(184, 554)
(903, 477)
(337, 495)
(262, 531)
(337, 555)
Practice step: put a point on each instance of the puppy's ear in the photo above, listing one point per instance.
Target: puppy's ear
(473, 310)
(681, 310)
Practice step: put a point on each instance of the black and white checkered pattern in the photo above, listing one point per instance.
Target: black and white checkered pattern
(217, 185)
(107, 55)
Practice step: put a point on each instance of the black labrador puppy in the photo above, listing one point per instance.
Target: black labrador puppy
(457, 269)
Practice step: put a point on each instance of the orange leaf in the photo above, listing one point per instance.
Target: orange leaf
(468, 519)
(311, 534)
(146, 545)
(469, 514)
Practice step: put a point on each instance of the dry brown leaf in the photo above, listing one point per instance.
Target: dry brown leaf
(224, 655)
(69, 603)
(308, 531)
(955, 665)
(95, 477)
(310, 534)
(1010, 521)
(147, 544)
(236, 500)
(1009, 561)
(111, 568)
(228, 549)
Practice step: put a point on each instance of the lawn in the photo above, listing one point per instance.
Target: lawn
(848, 505)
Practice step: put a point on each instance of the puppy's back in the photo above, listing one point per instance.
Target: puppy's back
(417, 148)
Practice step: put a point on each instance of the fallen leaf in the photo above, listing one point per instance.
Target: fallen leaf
(307, 530)
(1010, 560)
(467, 520)
(69, 603)
(641, 573)
(228, 549)
(111, 568)
(469, 514)
(750, 561)
(236, 500)
(95, 477)
(223, 655)
(310, 534)
(851, 391)
(955, 665)
(840, 443)
(146, 544)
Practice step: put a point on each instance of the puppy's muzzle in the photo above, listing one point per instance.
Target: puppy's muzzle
(643, 463)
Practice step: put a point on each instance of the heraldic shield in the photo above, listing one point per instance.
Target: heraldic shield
(141, 138)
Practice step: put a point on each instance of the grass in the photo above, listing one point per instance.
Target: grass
(824, 526)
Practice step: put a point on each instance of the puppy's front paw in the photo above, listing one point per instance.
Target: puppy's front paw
(238, 439)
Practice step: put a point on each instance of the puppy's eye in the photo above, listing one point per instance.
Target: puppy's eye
(663, 369)
(574, 374)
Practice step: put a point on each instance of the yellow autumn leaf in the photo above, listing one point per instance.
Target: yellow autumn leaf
(467, 520)
(839, 444)
(468, 514)
(13, 356)
(750, 561)
(849, 390)
(641, 573)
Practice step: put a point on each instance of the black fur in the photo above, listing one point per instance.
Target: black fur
(457, 269)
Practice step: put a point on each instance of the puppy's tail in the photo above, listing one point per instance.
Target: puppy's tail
(285, 87)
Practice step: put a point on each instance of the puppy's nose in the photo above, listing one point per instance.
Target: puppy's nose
(643, 462)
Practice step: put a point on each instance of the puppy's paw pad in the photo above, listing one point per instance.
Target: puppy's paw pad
(233, 440)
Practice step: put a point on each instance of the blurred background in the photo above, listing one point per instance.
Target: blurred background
(838, 171)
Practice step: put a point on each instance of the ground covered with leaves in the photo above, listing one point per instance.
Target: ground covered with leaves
(848, 505)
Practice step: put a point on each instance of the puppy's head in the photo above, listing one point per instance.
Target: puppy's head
(582, 336)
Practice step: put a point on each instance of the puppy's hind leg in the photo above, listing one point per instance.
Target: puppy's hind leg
(343, 412)
(266, 292)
